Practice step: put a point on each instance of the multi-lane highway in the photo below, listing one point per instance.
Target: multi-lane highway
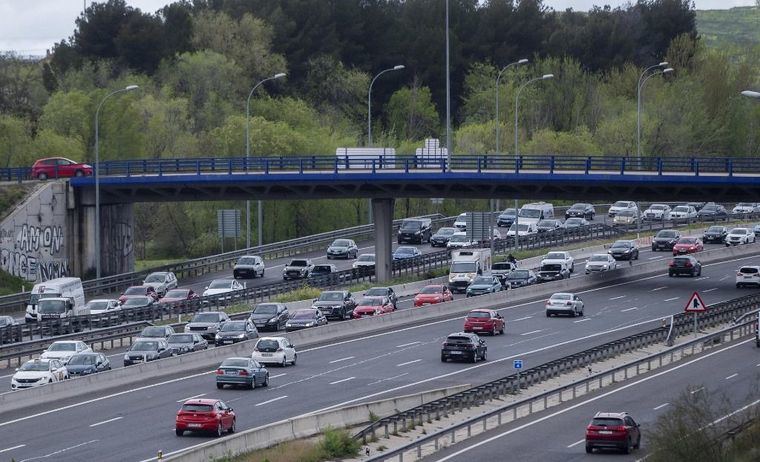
(557, 434)
(136, 422)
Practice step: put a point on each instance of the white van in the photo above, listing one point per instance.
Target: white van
(533, 213)
(55, 288)
(59, 308)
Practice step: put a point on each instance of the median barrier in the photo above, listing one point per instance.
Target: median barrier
(307, 425)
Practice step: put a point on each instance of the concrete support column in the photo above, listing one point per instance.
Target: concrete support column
(382, 211)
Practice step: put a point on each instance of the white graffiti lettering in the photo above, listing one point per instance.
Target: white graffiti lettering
(30, 268)
(32, 238)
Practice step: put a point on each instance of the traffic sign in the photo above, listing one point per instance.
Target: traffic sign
(517, 363)
(695, 304)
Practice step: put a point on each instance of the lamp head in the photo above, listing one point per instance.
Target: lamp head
(663, 64)
(668, 70)
(131, 87)
(399, 67)
(522, 61)
(279, 76)
(547, 76)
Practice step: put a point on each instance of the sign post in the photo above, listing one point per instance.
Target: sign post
(695, 305)
(518, 364)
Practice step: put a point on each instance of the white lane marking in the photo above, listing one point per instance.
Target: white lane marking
(723, 278)
(60, 451)
(342, 380)
(658, 288)
(190, 397)
(6, 376)
(732, 376)
(522, 319)
(710, 290)
(587, 401)
(629, 309)
(661, 406)
(407, 344)
(106, 421)
(272, 400)
(408, 363)
(576, 443)
(582, 320)
(278, 375)
(342, 359)
(697, 390)
(12, 448)
(618, 297)
(671, 299)
(532, 332)
(388, 378)
(702, 278)
(655, 258)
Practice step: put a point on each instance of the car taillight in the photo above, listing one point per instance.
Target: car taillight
(688, 264)
(672, 263)
(219, 372)
(243, 372)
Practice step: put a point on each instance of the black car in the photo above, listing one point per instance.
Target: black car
(552, 272)
(88, 363)
(144, 351)
(506, 218)
(686, 265)
(335, 304)
(715, 235)
(520, 278)
(441, 237)
(321, 271)
(270, 316)
(665, 239)
(186, 343)
(415, 230)
(502, 269)
(551, 225)
(463, 346)
(697, 205)
(581, 210)
(303, 319)
(624, 250)
(235, 331)
(383, 292)
(712, 212)
(137, 303)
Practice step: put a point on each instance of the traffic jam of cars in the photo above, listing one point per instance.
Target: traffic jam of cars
(473, 272)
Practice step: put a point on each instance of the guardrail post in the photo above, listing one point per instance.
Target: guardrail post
(588, 164)
(730, 166)
(478, 164)
(696, 167)
(622, 165)
(551, 165)
(373, 166)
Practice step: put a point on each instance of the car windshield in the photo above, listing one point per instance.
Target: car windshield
(627, 213)
(530, 213)
(82, 360)
(681, 208)
(578, 207)
(267, 345)
(34, 366)
(298, 263)
(197, 407)
(715, 229)
(177, 293)
(745, 204)
(411, 225)
(520, 226)
(373, 301)
(233, 326)
(6, 321)
(598, 258)
(463, 267)
(63, 347)
(478, 314)
(667, 234)
(547, 223)
(36, 297)
(144, 346)
(458, 238)
(519, 274)
(47, 306)
(220, 284)
(377, 291)
(748, 270)
(445, 232)
(180, 338)
(135, 290)
(482, 280)
(206, 317)
(561, 297)
(366, 257)
(235, 362)
(340, 243)
(462, 217)
(331, 296)
(555, 256)
(502, 266)
(738, 231)
(687, 240)
(710, 208)
(137, 301)
(304, 314)
(431, 290)
(156, 277)
(621, 245)
(322, 269)
(97, 305)
(246, 261)
(458, 340)
(620, 204)
(153, 332)
(508, 212)
(405, 251)
(265, 308)
(573, 221)
(657, 207)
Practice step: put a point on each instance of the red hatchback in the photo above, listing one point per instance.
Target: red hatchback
(205, 415)
(59, 167)
(138, 291)
(482, 321)
(613, 430)
(179, 295)
(436, 293)
(373, 306)
(688, 245)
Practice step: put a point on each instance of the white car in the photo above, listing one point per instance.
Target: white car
(748, 276)
(746, 207)
(559, 257)
(461, 222)
(683, 212)
(365, 260)
(564, 303)
(37, 372)
(222, 286)
(619, 206)
(526, 229)
(657, 212)
(64, 349)
(740, 236)
(600, 262)
(161, 281)
(103, 306)
(275, 350)
(459, 240)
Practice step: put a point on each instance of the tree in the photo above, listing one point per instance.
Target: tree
(22, 91)
(411, 113)
(98, 28)
(140, 42)
(70, 115)
(14, 142)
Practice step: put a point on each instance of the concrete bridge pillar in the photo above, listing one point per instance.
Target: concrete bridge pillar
(382, 211)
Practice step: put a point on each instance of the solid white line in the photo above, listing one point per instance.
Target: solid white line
(522, 319)
(710, 290)
(576, 443)
(408, 362)
(342, 359)
(532, 332)
(106, 421)
(697, 390)
(732, 376)
(629, 309)
(658, 288)
(190, 397)
(671, 299)
(590, 400)
(654, 258)
(272, 400)
(582, 320)
(661, 406)
(6, 376)
(278, 375)
(12, 448)
(407, 344)
(618, 297)
(702, 278)
(388, 378)
(723, 278)
(60, 451)
(343, 380)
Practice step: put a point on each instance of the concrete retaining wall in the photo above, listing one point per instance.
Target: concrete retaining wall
(307, 425)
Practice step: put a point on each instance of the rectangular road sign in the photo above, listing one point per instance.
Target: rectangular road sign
(517, 363)
(695, 304)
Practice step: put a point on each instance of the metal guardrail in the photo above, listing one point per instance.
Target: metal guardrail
(717, 314)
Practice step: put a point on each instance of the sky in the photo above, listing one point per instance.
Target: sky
(30, 27)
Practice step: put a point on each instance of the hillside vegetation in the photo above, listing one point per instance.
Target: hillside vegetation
(736, 28)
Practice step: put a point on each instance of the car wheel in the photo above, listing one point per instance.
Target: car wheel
(283, 363)
(638, 443)
(627, 448)
(443, 359)
(494, 331)
(42, 176)
(219, 429)
(179, 432)
(266, 380)
(485, 355)
(295, 357)
(699, 273)
(232, 427)
(670, 275)
(548, 315)
(474, 357)
(501, 331)
(219, 386)
(589, 449)
(738, 285)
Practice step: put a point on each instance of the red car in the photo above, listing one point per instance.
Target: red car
(480, 321)
(59, 167)
(179, 295)
(373, 306)
(138, 291)
(205, 415)
(613, 430)
(436, 293)
(688, 245)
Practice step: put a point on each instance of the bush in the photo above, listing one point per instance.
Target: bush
(338, 443)
(303, 293)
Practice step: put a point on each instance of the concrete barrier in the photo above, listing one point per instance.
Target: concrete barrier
(307, 425)
(346, 330)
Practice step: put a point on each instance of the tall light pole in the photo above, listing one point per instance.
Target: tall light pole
(498, 78)
(448, 93)
(97, 174)
(661, 65)
(667, 70)
(369, 101)
(247, 155)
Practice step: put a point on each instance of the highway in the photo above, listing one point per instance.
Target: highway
(557, 434)
(373, 367)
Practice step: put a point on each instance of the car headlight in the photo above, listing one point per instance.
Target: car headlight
(273, 320)
(309, 324)
(126, 357)
(217, 336)
(187, 328)
(284, 271)
(605, 266)
(287, 324)
(241, 336)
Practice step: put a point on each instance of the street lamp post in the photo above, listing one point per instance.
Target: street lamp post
(247, 155)
(369, 101)
(448, 93)
(498, 78)
(97, 174)
(663, 65)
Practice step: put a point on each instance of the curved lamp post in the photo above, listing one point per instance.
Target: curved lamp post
(247, 155)
(369, 101)
(498, 78)
(97, 173)
(639, 85)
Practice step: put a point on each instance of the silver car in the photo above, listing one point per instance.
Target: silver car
(207, 324)
(564, 303)
(161, 281)
(600, 262)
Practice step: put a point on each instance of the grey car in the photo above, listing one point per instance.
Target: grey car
(235, 331)
(87, 363)
(154, 332)
(161, 281)
(186, 343)
(484, 285)
(146, 351)
(335, 304)
(343, 248)
(241, 371)
(207, 324)
(249, 266)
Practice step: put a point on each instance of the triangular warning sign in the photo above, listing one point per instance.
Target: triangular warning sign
(695, 304)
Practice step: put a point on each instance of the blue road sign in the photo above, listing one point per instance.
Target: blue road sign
(517, 363)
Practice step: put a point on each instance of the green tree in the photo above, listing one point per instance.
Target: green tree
(48, 143)
(70, 115)
(411, 113)
(549, 142)
(14, 142)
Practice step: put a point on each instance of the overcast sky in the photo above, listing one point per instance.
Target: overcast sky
(29, 27)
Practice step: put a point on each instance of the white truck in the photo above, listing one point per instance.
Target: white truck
(466, 265)
(54, 288)
(60, 308)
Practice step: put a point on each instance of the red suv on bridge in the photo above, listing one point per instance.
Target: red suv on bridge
(59, 167)
(613, 430)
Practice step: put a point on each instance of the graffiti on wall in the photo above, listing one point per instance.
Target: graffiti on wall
(121, 239)
(34, 238)
(33, 252)
(30, 268)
